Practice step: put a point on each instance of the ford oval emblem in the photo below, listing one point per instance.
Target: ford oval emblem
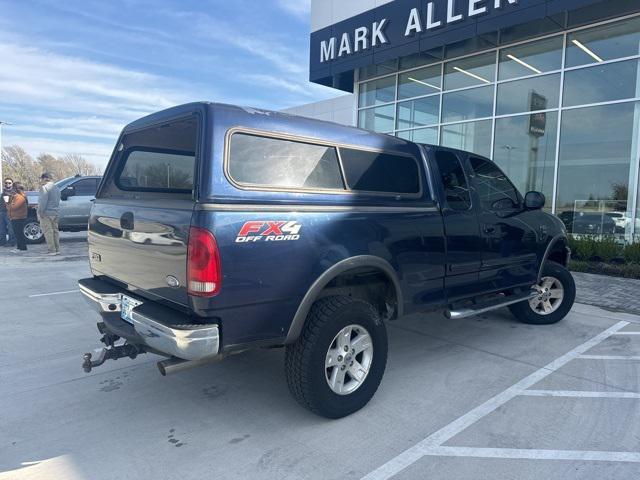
(172, 281)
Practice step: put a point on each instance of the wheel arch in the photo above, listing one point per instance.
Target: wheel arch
(557, 251)
(343, 267)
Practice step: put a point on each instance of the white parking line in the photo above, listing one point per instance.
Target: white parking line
(627, 333)
(609, 357)
(532, 454)
(53, 293)
(579, 394)
(429, 444)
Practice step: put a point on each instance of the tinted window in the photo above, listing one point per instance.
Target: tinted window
(157, 170)
(275, 162)
(492, 185)
(86, 187)
(456, 189)
(380, 172)
(160, 158)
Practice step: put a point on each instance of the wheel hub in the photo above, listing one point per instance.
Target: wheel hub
(348, 359)
(550, 296)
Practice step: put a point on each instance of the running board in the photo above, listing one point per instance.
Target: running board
(470, 312)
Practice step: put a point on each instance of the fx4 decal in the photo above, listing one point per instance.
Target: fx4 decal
(257, 231)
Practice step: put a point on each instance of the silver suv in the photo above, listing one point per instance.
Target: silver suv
(77, 195)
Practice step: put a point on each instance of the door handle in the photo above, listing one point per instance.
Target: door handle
(489, 229)
(126, 221)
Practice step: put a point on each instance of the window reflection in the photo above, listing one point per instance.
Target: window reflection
(467, 104)
(539, 93)
(378, 91)
(471, 136)
(421, 135)
(598, 156)
(531, 58)
(601, 83)
(417, 83)
(467, 72)
(418, 113)
(378, 119)
(525, 150)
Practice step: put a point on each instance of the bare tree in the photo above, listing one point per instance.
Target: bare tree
(20, 166)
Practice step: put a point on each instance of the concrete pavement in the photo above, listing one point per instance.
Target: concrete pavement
(236, 420)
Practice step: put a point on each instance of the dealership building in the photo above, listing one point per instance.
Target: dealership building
(549, 89)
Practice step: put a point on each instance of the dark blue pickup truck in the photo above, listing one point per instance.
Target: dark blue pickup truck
(218, 229)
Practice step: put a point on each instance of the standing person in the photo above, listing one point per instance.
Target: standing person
(5, 223)
(48, 210)
(17, 209)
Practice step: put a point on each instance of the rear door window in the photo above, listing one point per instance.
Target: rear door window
(454, 181)
(159, 159)
(259, 161)
(86, 187)
(383, 172)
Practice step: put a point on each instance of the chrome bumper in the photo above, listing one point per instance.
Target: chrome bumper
(188, 342)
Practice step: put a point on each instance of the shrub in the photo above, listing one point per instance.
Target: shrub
(590, 248)
(632, 253)
(606, 250)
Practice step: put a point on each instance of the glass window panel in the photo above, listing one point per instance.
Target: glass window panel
(454, 181)
(525, 149)
(418, 113)
(529, 95)
(384, 68)
(263, 161)
(378, 119)
(598, 156)
(421, 135)
(467, 104)
(380, 171)
(606, 42)
(531, 58)
(491, 183)
(378, 91)
(420, 82)
(470, 71)
(601, 83)
(471, 136)
(422, 58)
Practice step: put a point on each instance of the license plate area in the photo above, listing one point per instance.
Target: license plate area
(127, 304)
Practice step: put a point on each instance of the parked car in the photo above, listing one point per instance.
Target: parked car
(76, 195)
(312, 236)
(588, 223)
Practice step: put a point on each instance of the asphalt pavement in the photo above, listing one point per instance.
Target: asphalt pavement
(481, 398)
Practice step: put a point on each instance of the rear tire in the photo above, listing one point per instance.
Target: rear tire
(336, 365)
(557, 295)
(33, 232)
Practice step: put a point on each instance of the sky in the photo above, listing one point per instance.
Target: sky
(73, 73)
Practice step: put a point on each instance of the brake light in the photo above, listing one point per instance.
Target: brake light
(204, 274)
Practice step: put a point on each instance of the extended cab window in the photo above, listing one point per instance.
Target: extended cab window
(492, 185)
(274, 162)
(380, 172)
(159, 159)
(456, 188)
(86, 187)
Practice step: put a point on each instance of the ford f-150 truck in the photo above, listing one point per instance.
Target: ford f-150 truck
(218, 229)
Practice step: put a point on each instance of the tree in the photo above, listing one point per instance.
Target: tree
(20, 166)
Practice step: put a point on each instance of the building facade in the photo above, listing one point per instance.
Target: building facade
(549, 89)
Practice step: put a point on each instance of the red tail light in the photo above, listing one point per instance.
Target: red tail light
(204, 274)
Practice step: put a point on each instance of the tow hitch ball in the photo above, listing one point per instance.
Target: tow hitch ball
(112, 353)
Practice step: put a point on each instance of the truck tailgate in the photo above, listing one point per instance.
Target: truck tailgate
(143, 245)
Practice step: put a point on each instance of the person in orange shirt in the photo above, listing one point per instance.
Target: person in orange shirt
(17, 209)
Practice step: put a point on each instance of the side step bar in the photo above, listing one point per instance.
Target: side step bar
(470, 312)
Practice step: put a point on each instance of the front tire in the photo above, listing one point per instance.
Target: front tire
(557, 293)
(336, 365)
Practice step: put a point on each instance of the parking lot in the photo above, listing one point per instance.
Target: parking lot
(470, 399)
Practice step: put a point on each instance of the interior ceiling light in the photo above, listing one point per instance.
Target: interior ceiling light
(424, 83)
(587, 51)
(473, 75)
(523, 63)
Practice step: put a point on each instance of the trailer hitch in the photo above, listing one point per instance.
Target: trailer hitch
(110, 353)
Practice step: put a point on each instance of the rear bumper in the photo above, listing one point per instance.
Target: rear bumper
(160, 328)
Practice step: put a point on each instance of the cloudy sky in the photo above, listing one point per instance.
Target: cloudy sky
(73, 73)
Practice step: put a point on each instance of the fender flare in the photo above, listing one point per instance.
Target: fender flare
(328, 275)
(547, 252)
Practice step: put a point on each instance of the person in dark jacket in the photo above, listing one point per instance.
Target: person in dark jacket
(5, 224)
(18, 211)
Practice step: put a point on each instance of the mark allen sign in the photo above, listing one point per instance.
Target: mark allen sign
(431, 17)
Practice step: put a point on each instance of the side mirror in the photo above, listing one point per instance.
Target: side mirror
(67, 192)
(534, 201)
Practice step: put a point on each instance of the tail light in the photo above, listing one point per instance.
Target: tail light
(204, 274)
